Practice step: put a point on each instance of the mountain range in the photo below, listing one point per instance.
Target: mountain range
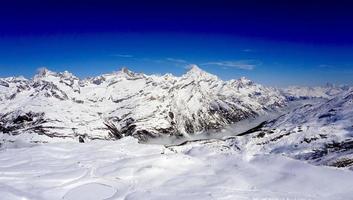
(312, 123)
(124, 103)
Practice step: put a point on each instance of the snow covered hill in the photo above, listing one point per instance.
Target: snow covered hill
(321, 133)
(303, 92)
(123, 103)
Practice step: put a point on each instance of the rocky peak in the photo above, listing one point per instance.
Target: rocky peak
(245, 81)
(242, 82)
(67, 75)
(125, 70)
(17, 80)
(168, 76)
(130, 74)
(43, 73)
(4, 83)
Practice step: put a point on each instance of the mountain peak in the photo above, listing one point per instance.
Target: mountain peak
(245, 80)
(67, 75)
(241, 82)
(194, 68)
(130, 74)
(44, 72)
(198, 73)
(125, 70)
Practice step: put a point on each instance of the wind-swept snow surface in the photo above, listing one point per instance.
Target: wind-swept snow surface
(124, 169)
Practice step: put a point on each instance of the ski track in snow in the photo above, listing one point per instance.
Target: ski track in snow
(128, 170)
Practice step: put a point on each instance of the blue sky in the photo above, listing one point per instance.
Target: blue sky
(273, 43)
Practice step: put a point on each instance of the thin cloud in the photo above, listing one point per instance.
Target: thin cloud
(123, 55)
(176, 60)
(326, 66)
(240, 64)
(247, 50)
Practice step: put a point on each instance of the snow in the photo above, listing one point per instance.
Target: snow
(128, 170)
(42, 118)
(304, 92)
(319, 132)
(74, 107)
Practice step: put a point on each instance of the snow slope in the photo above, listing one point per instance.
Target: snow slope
(321, 133)
(304, 92)
(125, 169)
(123, 103)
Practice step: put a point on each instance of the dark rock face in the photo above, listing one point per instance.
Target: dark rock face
(81, 140)
(333, 147)
(14, 123)
(3, 83)
(50, 90)
(22, 118)
(342, 162)
(113, 131)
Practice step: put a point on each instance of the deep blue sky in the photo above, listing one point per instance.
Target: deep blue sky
(275, 43)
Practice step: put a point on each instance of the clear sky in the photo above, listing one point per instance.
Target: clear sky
(275, 43)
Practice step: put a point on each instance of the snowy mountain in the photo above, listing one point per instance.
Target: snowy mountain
(123, 103)
(304, 92)
(62, 110)
(321, 133)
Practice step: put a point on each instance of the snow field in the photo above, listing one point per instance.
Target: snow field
(128, 170)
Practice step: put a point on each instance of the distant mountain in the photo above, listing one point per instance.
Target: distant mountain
(319, 132)
(303, 92)
(111, 106)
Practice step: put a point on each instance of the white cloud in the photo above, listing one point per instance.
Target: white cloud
(239, 64)
(247, 50)
(176, 60)
(123, 55)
